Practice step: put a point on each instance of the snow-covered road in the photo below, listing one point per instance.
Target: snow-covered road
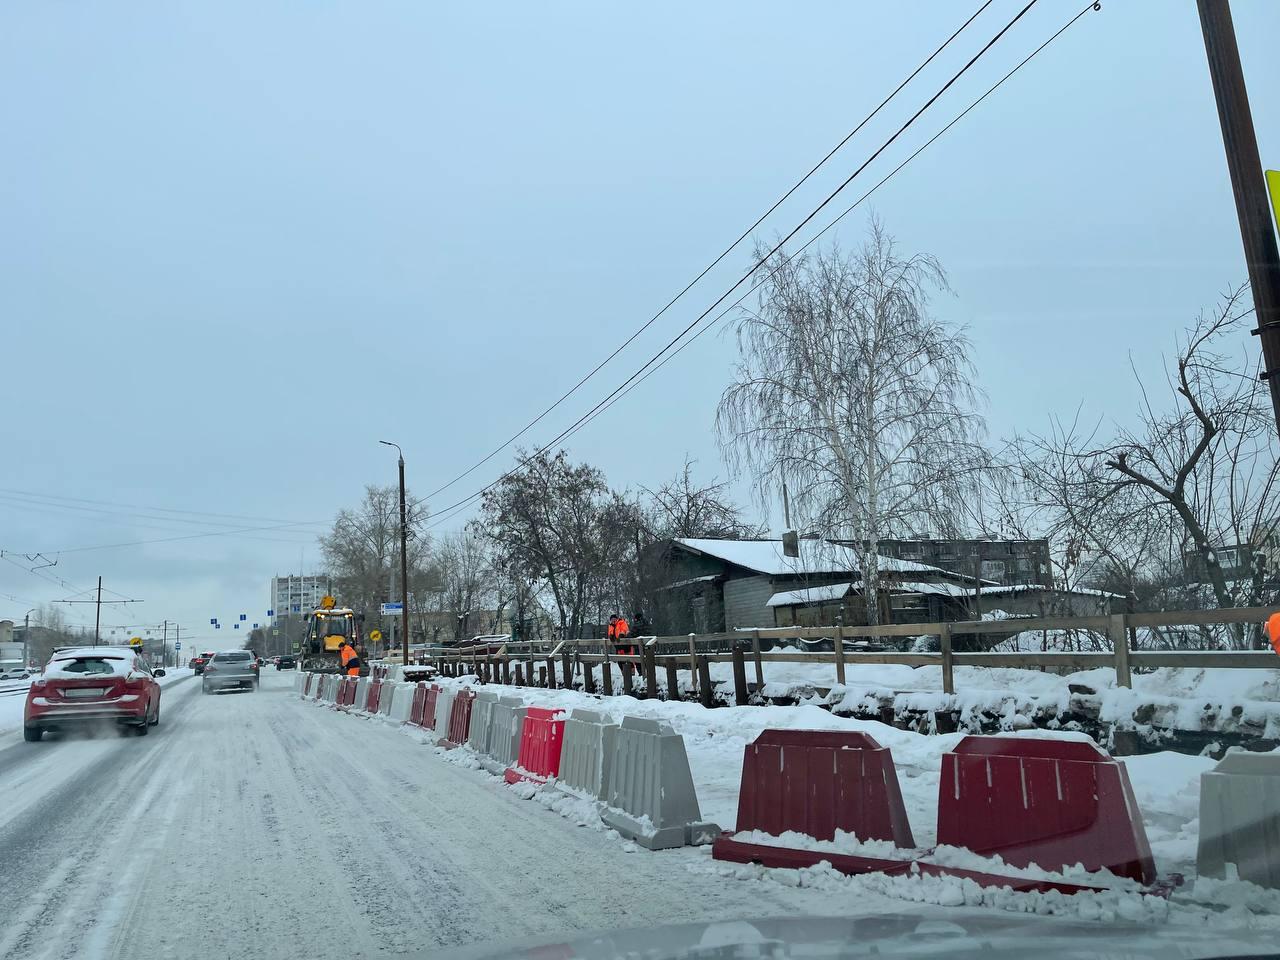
(255, 825)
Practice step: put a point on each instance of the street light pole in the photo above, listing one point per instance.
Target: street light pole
(404, 562)
(26, 637)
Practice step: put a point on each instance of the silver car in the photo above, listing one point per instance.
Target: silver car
(230, 669)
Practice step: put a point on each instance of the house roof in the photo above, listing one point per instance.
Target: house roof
(816, 557)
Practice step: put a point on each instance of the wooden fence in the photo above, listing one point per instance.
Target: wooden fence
(535, 663)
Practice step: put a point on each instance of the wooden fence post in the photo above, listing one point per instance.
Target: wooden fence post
(606, 675)
(1120, 646)
(650, 673)
(673, 679)
(566, 667)
(588, 678)
(755, 652)
(839, 649)
(519, 675)
(506, 671)
(542, 677)
(704, 682)
(551, 673)
(944, 645)
(693, 663)
(739, 675)
(626, 676)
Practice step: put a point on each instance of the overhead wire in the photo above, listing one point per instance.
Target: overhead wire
(713, 264)
(452, 510)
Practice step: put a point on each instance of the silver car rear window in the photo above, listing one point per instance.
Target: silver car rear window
(232, 656)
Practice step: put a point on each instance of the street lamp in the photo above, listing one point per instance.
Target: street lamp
(404, 562)
(26, 637)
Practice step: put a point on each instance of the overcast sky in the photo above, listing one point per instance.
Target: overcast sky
(242, 242)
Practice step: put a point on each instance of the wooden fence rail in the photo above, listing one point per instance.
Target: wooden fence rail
(694, 652)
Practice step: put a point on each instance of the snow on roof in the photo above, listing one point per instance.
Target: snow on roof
(832, 591)
(102, 650)
(691, 580)
(816, 557)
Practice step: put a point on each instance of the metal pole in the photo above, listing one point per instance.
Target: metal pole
(164, 646)
(1247, 183)
(97, 616)
(404, 570)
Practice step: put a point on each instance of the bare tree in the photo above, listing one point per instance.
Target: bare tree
(468, 579)
(1189, 479)
(363, 549)
(681, 508)
(854, 396)
(557, 527)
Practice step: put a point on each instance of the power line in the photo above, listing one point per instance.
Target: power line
(191, 536)
(134, 506)
(714, 263)
(447, 512)
(632, 381)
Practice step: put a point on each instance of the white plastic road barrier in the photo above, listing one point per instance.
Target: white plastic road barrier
(444, 707)
(505, 729)
(299, 679)
(362, 691)
(384, 698)
(1240, 818)
(328, 687)
(587, 753)
(650, 796)
(481, 717)
(401, 701)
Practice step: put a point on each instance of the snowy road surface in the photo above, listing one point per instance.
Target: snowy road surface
(255, 825)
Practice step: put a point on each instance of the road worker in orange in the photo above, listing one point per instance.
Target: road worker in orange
(618, 631)
(350, 659)
(1273, 631)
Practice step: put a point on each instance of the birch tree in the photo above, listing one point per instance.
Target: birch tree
(852, 394)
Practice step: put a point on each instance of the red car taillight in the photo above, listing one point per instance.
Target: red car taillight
(38, 684)
(209, 668)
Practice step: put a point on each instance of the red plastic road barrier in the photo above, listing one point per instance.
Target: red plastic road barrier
(1054, 803)
(306, 684)
(419, 703)
(429, 707)
(348, 691)
(372, 695)
(816, 782)
(540, 743)
(459, 720)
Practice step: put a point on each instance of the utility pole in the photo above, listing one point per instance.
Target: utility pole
(1247, 183)
(164, 646)
(97, 616)
(404, 561)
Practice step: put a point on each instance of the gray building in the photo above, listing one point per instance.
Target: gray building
(1004, 562)
(709, 586)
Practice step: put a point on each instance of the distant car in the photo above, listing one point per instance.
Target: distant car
(86, 685)
(15, 673)
(230, 669)
(286, 663)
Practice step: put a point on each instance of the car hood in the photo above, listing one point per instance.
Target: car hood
(955, 938)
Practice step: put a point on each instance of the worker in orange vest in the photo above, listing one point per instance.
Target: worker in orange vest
(617, 631)
(350, 659)
(1273, 631)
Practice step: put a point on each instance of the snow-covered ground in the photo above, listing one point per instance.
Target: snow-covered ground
(253, 825)
(1183, 698)
(1166, 786)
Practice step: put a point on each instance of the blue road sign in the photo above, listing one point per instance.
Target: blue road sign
(217, 626)
(255, 626)
(177, 646)
(237, 626)
(213, 621)
(271, 613)
(244, 616)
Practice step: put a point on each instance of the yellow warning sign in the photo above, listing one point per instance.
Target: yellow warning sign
(375, 636)
(135, 641)
(328, 602)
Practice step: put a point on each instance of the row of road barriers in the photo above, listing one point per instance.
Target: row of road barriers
(1025, 806)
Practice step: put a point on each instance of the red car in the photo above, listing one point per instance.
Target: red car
(85, 685)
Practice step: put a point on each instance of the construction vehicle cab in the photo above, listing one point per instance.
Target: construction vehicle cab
(327, 627)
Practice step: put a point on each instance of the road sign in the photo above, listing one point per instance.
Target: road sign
(392, 609)
(328, 602)
(177, 645)
(213, 621)
(375, 635)
(244, 616)
(135, 641)
(271, 613)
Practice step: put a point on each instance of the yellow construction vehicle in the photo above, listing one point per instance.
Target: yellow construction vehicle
(327, 627)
